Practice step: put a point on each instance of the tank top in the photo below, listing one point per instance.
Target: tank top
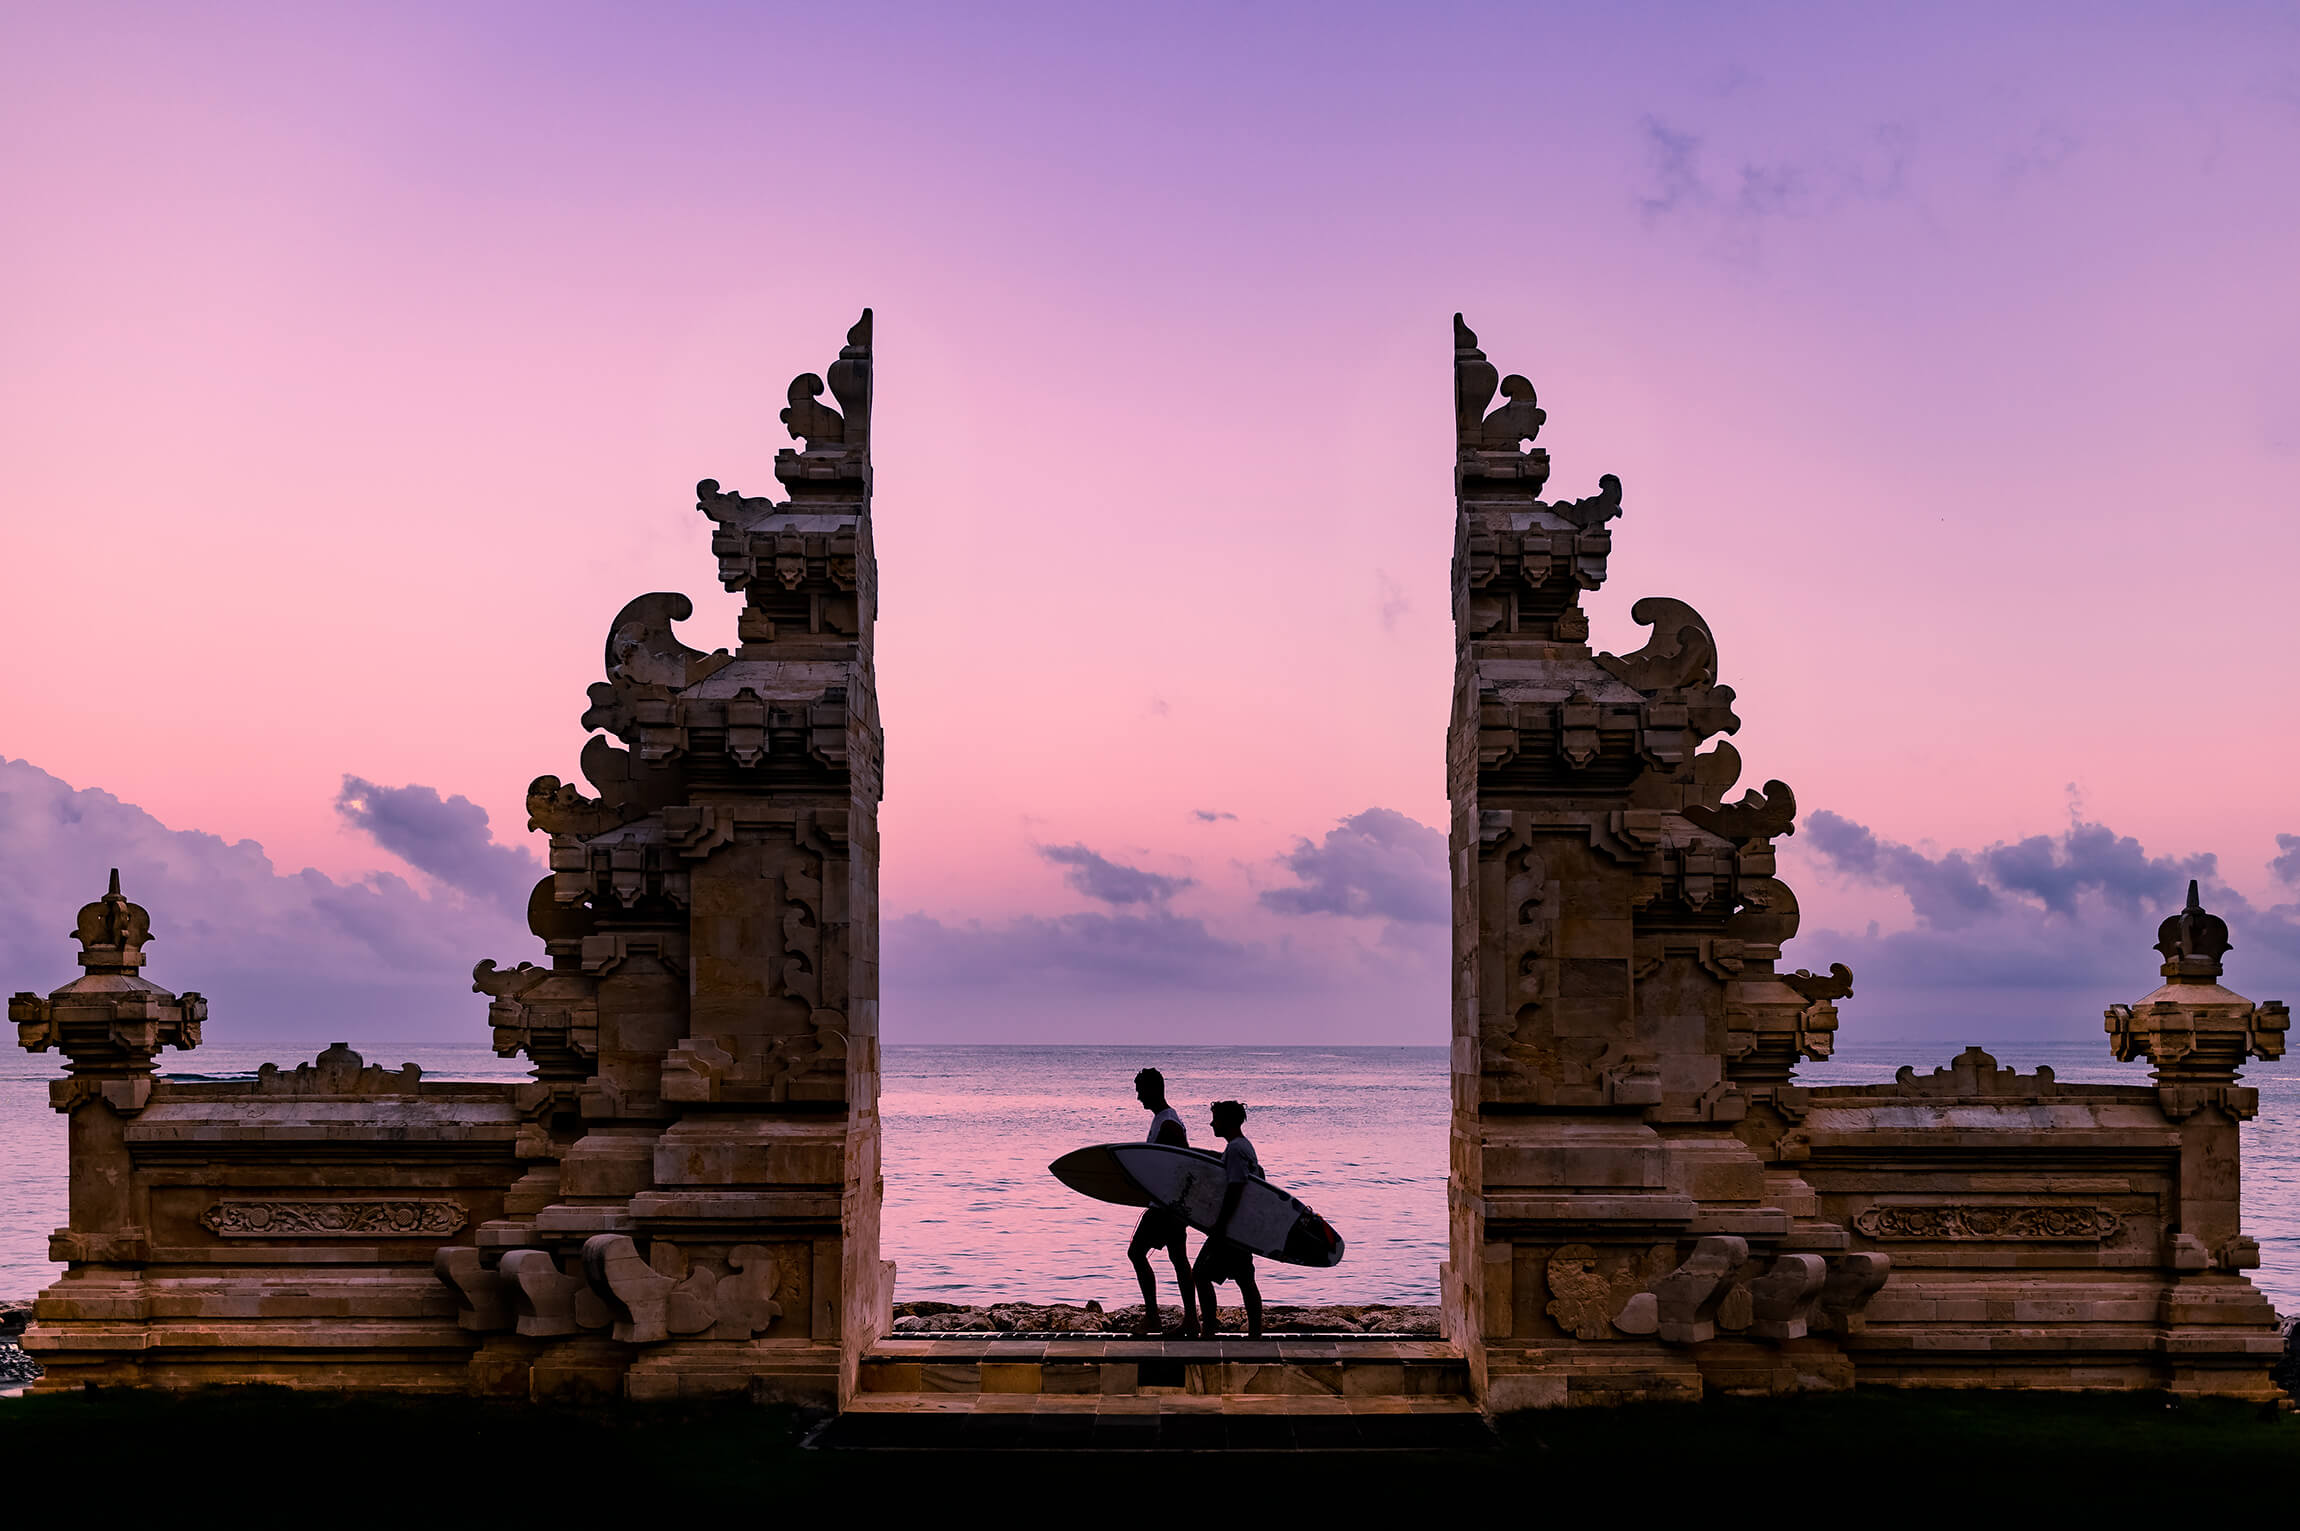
(1164, 1115)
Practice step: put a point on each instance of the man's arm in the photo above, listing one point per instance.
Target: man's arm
(1232, 1194)
(1172, 1135)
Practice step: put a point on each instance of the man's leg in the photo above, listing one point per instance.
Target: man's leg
(1139, 1253)
(1251, 1295)
(1209, 1316)
(1179, 1252)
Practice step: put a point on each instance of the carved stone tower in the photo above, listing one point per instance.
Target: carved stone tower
(701, 1209)
(110, 1024)
(2198, 1034)
(1619, 1030)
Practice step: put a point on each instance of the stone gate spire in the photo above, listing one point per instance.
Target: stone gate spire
(1617, 1016)
(705, 1147)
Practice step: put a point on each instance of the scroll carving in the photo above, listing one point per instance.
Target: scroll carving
(1680, 653)
(1969, 1221)
(338, 1071)
(666, 1294)
(810, 421)
(546, 1300)
(1836, 984)
(383, 1217)
(1763, 815)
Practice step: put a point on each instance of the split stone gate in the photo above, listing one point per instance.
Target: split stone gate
(684, 1200)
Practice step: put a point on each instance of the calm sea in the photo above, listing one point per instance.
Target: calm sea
(972, 1215)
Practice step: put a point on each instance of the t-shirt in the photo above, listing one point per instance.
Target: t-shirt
(1240, 1163)
(1158, 1124)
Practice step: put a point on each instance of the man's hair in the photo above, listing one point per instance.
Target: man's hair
(1153, 1079)
(1231, 1111)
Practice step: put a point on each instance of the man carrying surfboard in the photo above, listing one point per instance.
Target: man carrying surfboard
(1159, 1228)
(1221, 1259)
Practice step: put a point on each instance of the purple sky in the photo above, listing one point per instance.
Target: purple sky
(356, 364)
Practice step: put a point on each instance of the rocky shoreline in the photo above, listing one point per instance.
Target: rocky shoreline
(1068, 1318)
(16, 1368)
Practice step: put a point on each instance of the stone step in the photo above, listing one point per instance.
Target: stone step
(1118, 1366)
(1155, 1422)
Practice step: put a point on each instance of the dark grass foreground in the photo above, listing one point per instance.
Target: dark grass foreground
(273, 1456)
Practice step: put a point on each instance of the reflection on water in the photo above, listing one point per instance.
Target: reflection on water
(972, 1215)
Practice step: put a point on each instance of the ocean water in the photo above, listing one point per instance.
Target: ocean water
(973, 1216)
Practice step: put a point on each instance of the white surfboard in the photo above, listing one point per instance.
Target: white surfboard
(1190, 1182)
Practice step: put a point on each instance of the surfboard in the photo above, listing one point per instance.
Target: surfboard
(1189, 1181)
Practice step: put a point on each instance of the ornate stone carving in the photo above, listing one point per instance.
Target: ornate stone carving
(339, 1071)
(667, 1294)
(1680, 653)
(1853, 1279)
(1689, 1295)
(2049, 1222)
(1596, 1292)
(812, 423)
(1973, 1075)
(1781, 1300)
(1758, 816)
(110, 1023)
(375, 1217)
(547, 1301)
(1815, 988)
(2196, 1032)
(1580, 1298)
(1495, 445)
(483, 1306)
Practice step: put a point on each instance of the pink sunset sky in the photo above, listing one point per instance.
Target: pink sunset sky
(359, 363)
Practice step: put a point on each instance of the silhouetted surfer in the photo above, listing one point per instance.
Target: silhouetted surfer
(1219, 1259)
(1159, 1228)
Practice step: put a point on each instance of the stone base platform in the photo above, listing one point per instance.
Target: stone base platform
(1182, 1422)
(1341, 1392)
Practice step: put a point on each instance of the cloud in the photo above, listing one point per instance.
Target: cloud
(281, 955)
(1141, 970)
(1155, 950)
(1759, 191)
(1389, 600)
(1947, 892)
(2032, 936)
(1378, 864)
(2286, 866)
(446, 839)
(1675, 158)
(1111, 882)
(1210, 815)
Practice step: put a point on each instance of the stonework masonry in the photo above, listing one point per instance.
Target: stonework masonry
(684, 1199)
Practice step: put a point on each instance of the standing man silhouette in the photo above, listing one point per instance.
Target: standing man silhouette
(1219, 1259)
(1159, 1228)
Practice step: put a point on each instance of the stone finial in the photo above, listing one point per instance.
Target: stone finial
(2193, 942)
(2197, 1032)
(112, 932)
(109, 1022)
(1500, 444)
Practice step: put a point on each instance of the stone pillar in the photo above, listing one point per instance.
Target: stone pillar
(1617, 1019)
(110, 1024)
(2198, 1034)
(712, 918)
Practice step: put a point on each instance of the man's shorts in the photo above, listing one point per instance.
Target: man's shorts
(1161, 1229)
(1222, 1260)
